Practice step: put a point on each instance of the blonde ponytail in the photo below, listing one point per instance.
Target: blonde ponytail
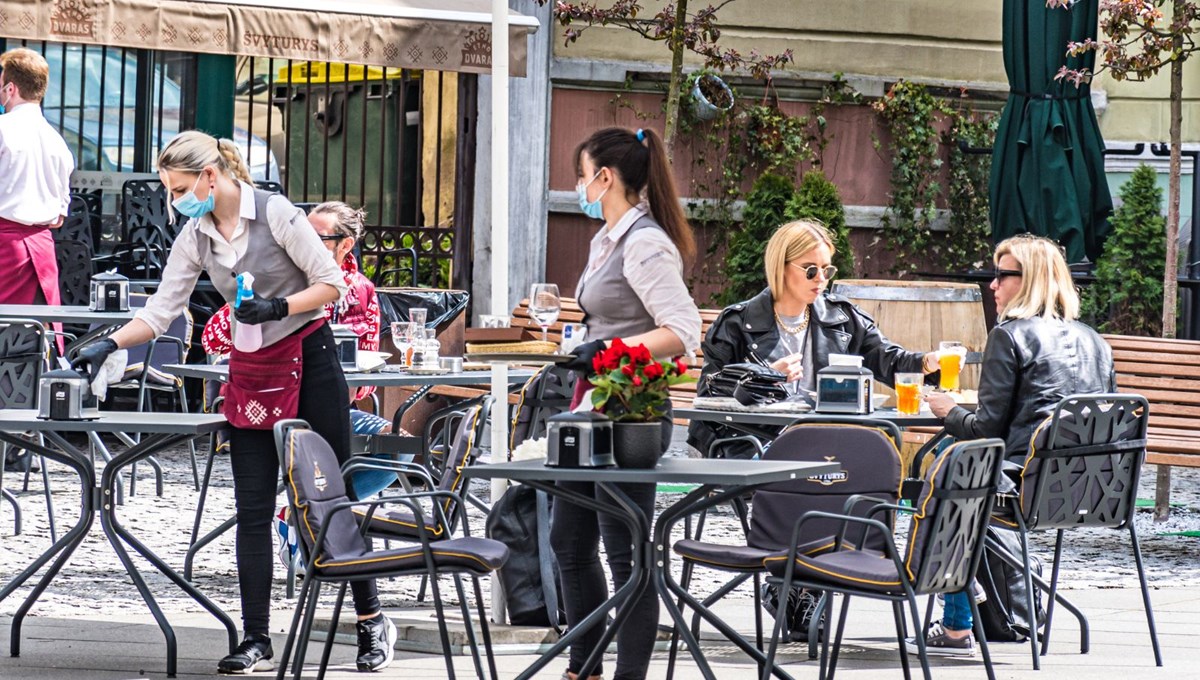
(235, 164)
(192, 151)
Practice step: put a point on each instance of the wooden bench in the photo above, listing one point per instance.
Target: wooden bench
(1167, 373)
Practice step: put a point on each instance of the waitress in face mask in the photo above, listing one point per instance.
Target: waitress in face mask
(632, 289)
(233, 229)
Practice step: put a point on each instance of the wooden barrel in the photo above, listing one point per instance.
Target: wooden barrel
(917, 315)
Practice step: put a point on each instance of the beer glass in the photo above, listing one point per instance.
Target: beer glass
(908, 393)
(951, 363)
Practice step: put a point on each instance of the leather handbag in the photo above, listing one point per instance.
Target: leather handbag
(748, 383)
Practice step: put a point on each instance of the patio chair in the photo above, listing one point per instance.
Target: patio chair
(945, 544)
(24, 350)
(336, 549)
(78, 224)
(870, 458)
(148, 232)
(1082, 471)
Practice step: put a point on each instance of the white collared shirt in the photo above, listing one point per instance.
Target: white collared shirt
(35, 167)
(227, 253)
(654, 269)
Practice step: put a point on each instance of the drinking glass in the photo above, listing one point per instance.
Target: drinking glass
(951, 363)
(908, 393)
(544, 305)
(418, 315)
(402, 337)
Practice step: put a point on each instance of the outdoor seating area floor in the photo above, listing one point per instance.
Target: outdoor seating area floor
(95, 582)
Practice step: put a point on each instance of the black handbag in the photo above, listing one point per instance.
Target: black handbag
(749, 384)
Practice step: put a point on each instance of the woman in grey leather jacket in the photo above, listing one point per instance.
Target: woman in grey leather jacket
(1037, 354)
(793, 326)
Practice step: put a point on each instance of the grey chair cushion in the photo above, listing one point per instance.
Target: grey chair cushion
(864, 569)
(395, 523)
(471, 554)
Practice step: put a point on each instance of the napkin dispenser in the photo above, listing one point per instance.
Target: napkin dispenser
(109, 293)
(579, 440)
(346, 341)
(65, 394)
(845, 387)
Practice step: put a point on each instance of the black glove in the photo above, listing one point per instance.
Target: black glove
(581, 358)
(93, 356)
(256, 310)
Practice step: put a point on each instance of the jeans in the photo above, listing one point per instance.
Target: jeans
(957, 611)
(256, 481)
(575, 536)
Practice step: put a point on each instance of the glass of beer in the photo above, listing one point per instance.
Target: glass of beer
(950, 362)
(908, 393)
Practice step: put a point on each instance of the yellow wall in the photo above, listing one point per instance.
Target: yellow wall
(931, 40)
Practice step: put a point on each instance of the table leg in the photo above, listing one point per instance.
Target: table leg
(117, 533)
(65, 546)
(625, 595)
(699, 499)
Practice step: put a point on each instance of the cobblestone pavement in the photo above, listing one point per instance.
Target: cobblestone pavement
(94, 580)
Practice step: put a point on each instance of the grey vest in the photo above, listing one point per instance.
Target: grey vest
(275, 275)
(611, 308)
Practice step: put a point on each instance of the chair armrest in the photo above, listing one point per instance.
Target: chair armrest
(358, 463)
(747, 438)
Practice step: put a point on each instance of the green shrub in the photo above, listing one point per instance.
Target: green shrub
(817, 198)
(1127, 296)
(766, 209)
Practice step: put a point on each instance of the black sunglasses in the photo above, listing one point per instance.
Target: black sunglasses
(1001, 273)
(332, 237)
(810, 272)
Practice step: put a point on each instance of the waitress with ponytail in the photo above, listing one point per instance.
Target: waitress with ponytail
(632, 289)
(233, 229)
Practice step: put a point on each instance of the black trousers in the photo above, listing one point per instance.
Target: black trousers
(256, 480)
(575, 536)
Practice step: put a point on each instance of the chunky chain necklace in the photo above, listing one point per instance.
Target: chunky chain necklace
(798, 328)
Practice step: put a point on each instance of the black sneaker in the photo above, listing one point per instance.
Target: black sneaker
(376, 643)
(938, 643)
(801, 615)
(254, 654)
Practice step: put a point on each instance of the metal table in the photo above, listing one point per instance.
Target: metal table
(367, 379)
(65, 314)
(161, 430)
(719, 480)
(737, 418)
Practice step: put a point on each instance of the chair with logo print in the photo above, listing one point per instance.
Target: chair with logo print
(868, 453)
(336, 549)
(945, 544)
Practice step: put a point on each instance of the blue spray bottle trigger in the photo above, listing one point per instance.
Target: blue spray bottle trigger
(245, 285)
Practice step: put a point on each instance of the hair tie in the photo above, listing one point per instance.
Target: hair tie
(641, 135)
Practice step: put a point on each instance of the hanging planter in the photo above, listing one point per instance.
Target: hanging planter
(710, 97)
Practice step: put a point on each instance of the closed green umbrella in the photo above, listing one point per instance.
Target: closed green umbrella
(1048, 163)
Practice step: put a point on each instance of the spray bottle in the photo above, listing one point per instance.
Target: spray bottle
(247, 337)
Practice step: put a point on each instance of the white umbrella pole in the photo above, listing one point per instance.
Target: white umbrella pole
(499, 252)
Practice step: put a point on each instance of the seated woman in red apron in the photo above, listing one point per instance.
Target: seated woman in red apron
(236, 229)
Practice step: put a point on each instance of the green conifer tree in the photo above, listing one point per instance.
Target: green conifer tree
(766, 207)
(1127, 296)
(818, 198)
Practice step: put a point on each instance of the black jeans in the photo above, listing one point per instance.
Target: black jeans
(256, 480)
(575, 536)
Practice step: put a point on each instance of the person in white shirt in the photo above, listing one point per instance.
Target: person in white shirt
(35, 170)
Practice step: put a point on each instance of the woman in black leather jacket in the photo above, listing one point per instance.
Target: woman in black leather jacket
(793, 326)
(1036, 355)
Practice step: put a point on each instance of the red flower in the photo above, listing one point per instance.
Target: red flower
(637, 382)
(641, 355)
(619, 348)
(629, 370)
(681, 366)
(653, 370)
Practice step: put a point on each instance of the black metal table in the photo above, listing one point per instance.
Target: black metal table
(776, 419)
(365, 379)
(719, 480)
(161, 431)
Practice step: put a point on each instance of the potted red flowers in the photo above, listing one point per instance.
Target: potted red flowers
(632, 388)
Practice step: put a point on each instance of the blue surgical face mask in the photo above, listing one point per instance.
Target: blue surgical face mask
(591, 208)
(4, 104)
(190, 206)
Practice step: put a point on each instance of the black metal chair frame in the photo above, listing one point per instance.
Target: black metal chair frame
(959, 525)
(1089, 437)
(741, 510)
(31, 355)
(302, 621)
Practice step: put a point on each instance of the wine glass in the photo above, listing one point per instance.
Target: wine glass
(544, 305)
